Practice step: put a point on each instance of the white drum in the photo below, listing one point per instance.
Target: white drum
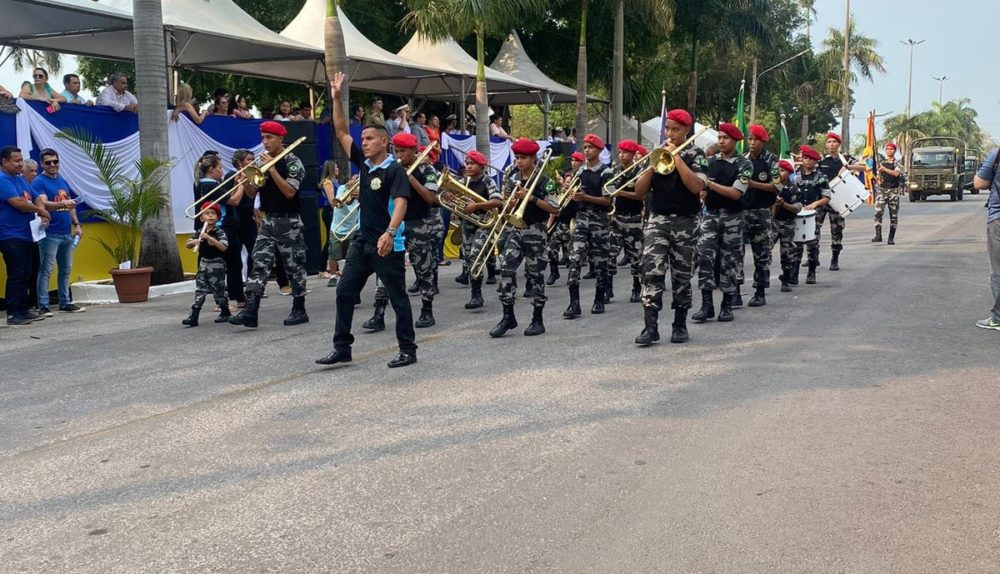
(848, 193)
(805, 226)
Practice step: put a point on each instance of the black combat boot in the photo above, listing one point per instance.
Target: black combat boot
(726, 308)
(892, 235)
(590, 274)
(463, 277)
(553, 274)
(377, 320)
(679, 329)
(636, 291)
(609, 290)
(192, 318)
(248, 315)
(811, 276)
(426, 318)
(650, 331)
(507, 322)
(878, 233)
(598, 306)
(434, 282)
(707, 310)
(491, 272)
(298, 314)
(793, 276)
(835, 260)
(224, 314)
(537, 327)
(786, 282)
(476, 301)
(758, 298)
(573, 310)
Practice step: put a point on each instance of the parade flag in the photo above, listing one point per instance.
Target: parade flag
(785, 149)
(870, 157)
(741, 121)
(663, 116)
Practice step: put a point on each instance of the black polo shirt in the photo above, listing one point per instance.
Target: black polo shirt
(668, 194)
(272, 201)
(731, 172)
(380, 184)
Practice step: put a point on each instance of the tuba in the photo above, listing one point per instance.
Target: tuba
(461, 197)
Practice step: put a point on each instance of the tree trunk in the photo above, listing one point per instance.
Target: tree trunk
(335, 60)
(618, 73)
(805, 129)
(482, 102)
(158, 246)
(581, 78)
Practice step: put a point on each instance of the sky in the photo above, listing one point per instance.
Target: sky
(957, 38)
(959, 42)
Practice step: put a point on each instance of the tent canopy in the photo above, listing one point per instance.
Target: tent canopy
(26, 21)
(514, 61)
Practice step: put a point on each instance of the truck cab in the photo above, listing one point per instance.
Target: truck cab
(937, 167)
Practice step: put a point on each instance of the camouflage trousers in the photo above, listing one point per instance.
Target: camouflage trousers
(837, 225)
(626, 234)
(720, 237)
(668, 240)
(422, 236)
(559, 239)
(591, 236)
(791, 252)
(887, 197)
(473, 240)
(757, 233)
(211, 278)
(528, 245)
(279, 234)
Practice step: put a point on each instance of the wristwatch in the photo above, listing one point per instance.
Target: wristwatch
(391, 231)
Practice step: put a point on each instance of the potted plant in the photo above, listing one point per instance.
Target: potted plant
(134, 200)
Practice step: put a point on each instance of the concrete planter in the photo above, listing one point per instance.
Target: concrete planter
(103, 291)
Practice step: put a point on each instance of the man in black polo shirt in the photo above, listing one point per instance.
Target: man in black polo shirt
(671, 232)
(375, 248)
(280, 233)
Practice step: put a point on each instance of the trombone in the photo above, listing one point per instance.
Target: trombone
(509, 216)
(659, 160)
(565, 198)
(254, 173)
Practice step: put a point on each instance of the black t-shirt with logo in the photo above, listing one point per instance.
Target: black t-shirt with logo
(544, 190)
(765, 170)
(272, 201)
(593, 180)
(889, 181)
(208, 251)
(831, 165)
(379, 185)
(732, 172)
(624, 205)
(668, 194)
(416, 207)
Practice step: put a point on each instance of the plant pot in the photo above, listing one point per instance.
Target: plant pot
(132, 285)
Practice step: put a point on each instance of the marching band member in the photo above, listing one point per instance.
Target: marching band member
(473, 236)
(764, 186)
(281, 231)
(528, 244)
(559, 237)
(889, 191)
(592, 233)
(377, 247)
(721, 231)
(787, 205)
(671, 231)
(831, 165)
(814, 192)
(626, 225)
(423, 224)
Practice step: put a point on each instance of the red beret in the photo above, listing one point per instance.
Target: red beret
(213, 206)
(271, 127)
(577, 156)
(680, 116)
(834, 136)
(524, 146)
(628, 145)
(594, 140)
(758, 131)
(890, 145)
(809, 152)
(405, 140)
(732, 131)
(786, 165)
(477, 157)
(643, 151)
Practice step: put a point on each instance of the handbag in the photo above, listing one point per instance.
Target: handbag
(8, 106)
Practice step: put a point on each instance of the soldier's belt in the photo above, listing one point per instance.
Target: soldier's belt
(281, 215)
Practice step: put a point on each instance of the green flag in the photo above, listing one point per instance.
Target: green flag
(783, 153)
(741, 120)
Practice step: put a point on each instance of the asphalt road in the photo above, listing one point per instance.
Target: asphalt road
(847, 427)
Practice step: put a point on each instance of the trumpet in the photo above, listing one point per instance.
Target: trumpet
(461, 197)
(566, 198)
(659, 160)
(255, 174)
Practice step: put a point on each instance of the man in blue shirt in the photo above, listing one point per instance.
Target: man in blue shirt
(987, 178)
(58, 244)
(17, 210)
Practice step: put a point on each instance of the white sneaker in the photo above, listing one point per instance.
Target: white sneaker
(988, 323)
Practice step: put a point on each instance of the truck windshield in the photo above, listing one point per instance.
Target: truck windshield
(933, 159)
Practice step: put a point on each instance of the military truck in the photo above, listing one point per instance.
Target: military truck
(973, 162)
(937, 167)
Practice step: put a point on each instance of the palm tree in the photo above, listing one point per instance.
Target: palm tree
(581, 76)
(159, 243)
(863, 60)
(441, 19)
(23, 59)
(809, 6)
(335, 60)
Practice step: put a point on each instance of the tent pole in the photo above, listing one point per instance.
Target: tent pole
(312, 103)
(461, 111)
(545, 115)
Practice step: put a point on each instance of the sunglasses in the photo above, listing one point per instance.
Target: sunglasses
(51, 162)
(40, 76)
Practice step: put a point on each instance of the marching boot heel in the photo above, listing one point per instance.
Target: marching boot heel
(892, 235)
(678, 329)
(476, 301)
(298, 314)
(426, 318)
(598, 307)
(224, 315)
(707, 310)
(553, 274)
(573, 310)
(649, 334)
(537, 327)
(758, 299)
(636, 291)
(835, 261)
(726, 308)
(377, 320)
(192, 318)
(463, 277)
(248, 315)
(811, 275)
(507, 322)
(878, 234)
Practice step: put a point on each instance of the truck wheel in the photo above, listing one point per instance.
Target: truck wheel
(974, 191)
(961, 194)
(953, 196)
(913, 197)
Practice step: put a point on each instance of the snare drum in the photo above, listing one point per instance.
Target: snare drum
(805, 226)
(848, 193)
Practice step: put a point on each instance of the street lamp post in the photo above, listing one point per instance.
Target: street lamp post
(909, 98)
(756, 76)
(941, 81)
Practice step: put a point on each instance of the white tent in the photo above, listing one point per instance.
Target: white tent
(651, 133)
(200, 34)
(514, 61)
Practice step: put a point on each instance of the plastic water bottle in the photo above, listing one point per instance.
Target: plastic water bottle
(76, 240)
